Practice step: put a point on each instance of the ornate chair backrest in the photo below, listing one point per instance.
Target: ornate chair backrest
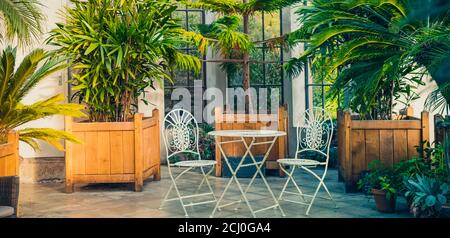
(314, 132)
(180, 134)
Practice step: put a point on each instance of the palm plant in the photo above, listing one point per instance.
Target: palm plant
(365, 45)
(118, 49)
(16, 84)
(21, 20)
(230, 41)
(432, 51)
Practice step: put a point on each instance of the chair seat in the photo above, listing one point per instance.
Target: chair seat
(6, 211)
(196, 163)
(300, 162)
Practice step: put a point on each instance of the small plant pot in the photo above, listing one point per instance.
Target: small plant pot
(382, 202)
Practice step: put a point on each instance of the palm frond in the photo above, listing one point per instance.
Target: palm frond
(48, 135)
(15, 84)
(22, 20)
(435, 102)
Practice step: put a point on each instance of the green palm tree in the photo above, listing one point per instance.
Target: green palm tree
(224, 33)
(364, 45)
(432, 51)
(15, 84)
(21, 20)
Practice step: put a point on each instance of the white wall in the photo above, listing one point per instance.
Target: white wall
(54, 84)
(298, 83)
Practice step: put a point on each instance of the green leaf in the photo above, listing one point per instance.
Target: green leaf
(91, 48)
(430, 200)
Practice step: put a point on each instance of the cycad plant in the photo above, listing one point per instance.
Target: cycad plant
(15, 84)
(118, 49)
(365, 45)
(225, 34)
(20, 20)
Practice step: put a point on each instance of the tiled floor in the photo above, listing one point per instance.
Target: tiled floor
(118, 200)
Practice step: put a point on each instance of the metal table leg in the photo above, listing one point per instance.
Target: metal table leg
(258, 171)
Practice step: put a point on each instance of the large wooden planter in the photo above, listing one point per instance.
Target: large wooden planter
(225, 121)
(439, 131)
(361, 142)
(114, 152)
(9, 156)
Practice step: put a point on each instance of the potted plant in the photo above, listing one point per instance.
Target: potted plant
(382, 183)
(15, 84)
(425, 182)
(118, 49)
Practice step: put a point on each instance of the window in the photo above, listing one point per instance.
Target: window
(266, 64)
(189, 18)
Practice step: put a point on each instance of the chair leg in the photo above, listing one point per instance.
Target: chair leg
(181, 200)
(174, 185)
(329, 194)
(291, 178)
(166, 196)
(313, 198)
(206, 176)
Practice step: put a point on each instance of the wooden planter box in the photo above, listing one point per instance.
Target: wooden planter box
(439, 132)
(361, 142)
(114, 152)
(9, 156)
(245, 122)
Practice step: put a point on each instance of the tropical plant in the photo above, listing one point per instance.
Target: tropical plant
(232, 41)
(431, 163)
(382, 177)
(433, 52)
(432, 48)
(427, 195)
(363, 44)
(120, 48)
(21, 20)
(15, 84)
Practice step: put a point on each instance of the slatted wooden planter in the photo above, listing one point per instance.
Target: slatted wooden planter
(361, 142)
(9, 156)
(225, 121)
(439, 131)
(114, 152)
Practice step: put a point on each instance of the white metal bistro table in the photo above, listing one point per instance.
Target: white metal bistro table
(243, 134)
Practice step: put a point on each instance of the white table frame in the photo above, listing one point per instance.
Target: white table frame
(243, 134)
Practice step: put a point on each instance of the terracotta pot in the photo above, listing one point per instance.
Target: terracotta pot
(383, 204)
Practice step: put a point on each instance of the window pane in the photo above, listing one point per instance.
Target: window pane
(271, 25)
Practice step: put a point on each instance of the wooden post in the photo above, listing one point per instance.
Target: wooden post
(282, 140)
(68, 154)
(438, 132)
(138, 153)
(346, 152)
(425, 120)
(13, 138)
(217, 126)
(155, 115)
(410, 111)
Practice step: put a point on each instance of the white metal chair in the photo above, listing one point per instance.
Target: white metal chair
(314, 134)
(181, 137)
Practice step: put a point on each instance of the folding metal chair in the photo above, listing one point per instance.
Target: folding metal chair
(314, 134)
(181, 137)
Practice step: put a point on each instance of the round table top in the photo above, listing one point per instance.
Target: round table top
(247, 133)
